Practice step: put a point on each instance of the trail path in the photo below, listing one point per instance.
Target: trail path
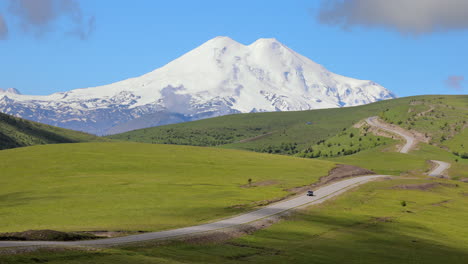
(410, 140)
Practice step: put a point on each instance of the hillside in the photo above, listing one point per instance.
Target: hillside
(294, 132)
(134, 186)
(16, 132)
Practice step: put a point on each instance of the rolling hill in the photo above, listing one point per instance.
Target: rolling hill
(293, 132)
(16, 132)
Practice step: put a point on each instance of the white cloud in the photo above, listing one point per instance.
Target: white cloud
(39, 16)
(3, 28)
(406, 16)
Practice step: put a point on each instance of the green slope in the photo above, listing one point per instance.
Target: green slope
(368, 225)
(16, 132)
(293, 132)
(134, 186)
(439, 117)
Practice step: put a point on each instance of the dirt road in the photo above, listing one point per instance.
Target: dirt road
(410, 140)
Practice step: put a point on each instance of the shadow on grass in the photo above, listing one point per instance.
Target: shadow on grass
(342, 241)
(21, 198)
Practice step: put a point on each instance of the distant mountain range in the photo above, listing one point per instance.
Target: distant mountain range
(220, 77)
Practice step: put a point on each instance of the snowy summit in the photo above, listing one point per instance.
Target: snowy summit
(220, 77)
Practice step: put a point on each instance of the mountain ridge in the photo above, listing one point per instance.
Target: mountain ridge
(217, 78)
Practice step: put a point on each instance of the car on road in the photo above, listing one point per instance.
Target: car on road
(310, 193)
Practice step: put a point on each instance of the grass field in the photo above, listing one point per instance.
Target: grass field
(459, 144)
(134, 186)
(348, 142)
(459, 166)
(16, 132)
(369, 225)
(385, 161)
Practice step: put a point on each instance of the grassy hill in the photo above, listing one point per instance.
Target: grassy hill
(16, 132)
(329, 134)
(442, 118)
(369, 225)
(294, 132)
(134, 186)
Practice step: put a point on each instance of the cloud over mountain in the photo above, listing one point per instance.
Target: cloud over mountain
(38, 17)
(3, 28)
(405, 16)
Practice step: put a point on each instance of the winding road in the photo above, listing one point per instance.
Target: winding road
(439, 170)
(410, 143)
(410, 140)
(322, 194)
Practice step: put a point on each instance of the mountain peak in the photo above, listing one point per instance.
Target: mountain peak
(221, 41)
(10, 90)
(267, 43)
(219, 77)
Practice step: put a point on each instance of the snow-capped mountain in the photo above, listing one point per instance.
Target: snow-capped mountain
(220, 77)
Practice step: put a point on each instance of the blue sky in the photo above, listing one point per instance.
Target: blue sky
(130, 38)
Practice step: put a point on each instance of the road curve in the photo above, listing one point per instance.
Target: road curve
(321, 195)
(409, 139)
(439, 170)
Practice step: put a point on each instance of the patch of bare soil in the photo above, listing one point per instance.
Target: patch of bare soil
(46, 235)
(464, 180)
(360, 124)
(423, 186)
(340, 172)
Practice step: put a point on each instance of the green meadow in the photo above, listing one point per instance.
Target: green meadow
(367, 225)
(134, 186)
(439, 117)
